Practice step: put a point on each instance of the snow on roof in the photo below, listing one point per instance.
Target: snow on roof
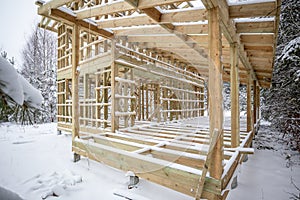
(17, 87)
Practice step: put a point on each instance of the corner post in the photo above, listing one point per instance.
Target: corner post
(215, 86)
(234, 89)
(75, 78)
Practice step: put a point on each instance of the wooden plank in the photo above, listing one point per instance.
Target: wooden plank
(70, 19)
(255, 27)
(158, 171)
(234, 95)
(215, 86)
(142, 19)
(264, 9)
(75, 77)
(258, 39)
(46, 7)
(106, 9)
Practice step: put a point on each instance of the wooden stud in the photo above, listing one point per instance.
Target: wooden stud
(215, 85)
(234, 88)
(249, 106)
(75, 76)
(105, 98)
(114, 90)
(258, 102)
(254, 102)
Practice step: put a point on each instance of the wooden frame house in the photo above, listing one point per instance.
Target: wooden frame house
(132, 77)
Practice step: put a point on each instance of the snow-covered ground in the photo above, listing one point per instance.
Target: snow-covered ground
(36, 163)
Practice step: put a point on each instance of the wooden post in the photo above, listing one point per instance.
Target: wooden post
(75, 78)
(157, 103)
(215, 86)
(234, 88)
(85, 102)
(254, 102)
(165, 104)
(147, 101)
(114, 102)
(105, 98)
(143, 101)
(258, 102)
(132, 101)
(249, 123)
(202, 101)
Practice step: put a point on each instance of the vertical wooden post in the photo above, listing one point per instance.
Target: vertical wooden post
(114, 102)
(254, 102)
(75, 78)
(202, 101)
(258, 101)
(143, 101)
(147, 101)
(249, 109)
(85, 102)
(234, 88)
(157, 103)
(165, 104)
(215, 86)
(105, 98)
(132, 101)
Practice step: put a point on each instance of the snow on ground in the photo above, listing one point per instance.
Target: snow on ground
(36, 162)
(269, 173)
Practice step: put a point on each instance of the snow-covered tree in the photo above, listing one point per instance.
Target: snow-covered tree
(39, 59)
(282, 101)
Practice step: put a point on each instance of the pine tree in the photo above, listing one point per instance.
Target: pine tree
(282, 101)
(39, 58)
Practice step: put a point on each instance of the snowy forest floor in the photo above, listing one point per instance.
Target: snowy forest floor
(35, 163)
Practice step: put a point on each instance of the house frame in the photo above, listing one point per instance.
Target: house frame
(132, 77)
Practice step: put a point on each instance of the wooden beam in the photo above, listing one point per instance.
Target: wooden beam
(255, 27)
(258, 39)
(143, 19)
(215, 85)
(185, 29)
(63, 16)
(106, 9)
(229, 30)
(75, 76)
(45, 8)
(120, 6)
(263, 9)
(234, 93)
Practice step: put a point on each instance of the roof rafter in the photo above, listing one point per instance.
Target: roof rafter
(143, 19)
(155, 14)
(62, 15)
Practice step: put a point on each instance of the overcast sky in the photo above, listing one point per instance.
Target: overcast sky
(17, 19)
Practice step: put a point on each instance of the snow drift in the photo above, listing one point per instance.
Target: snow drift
(17, 87)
